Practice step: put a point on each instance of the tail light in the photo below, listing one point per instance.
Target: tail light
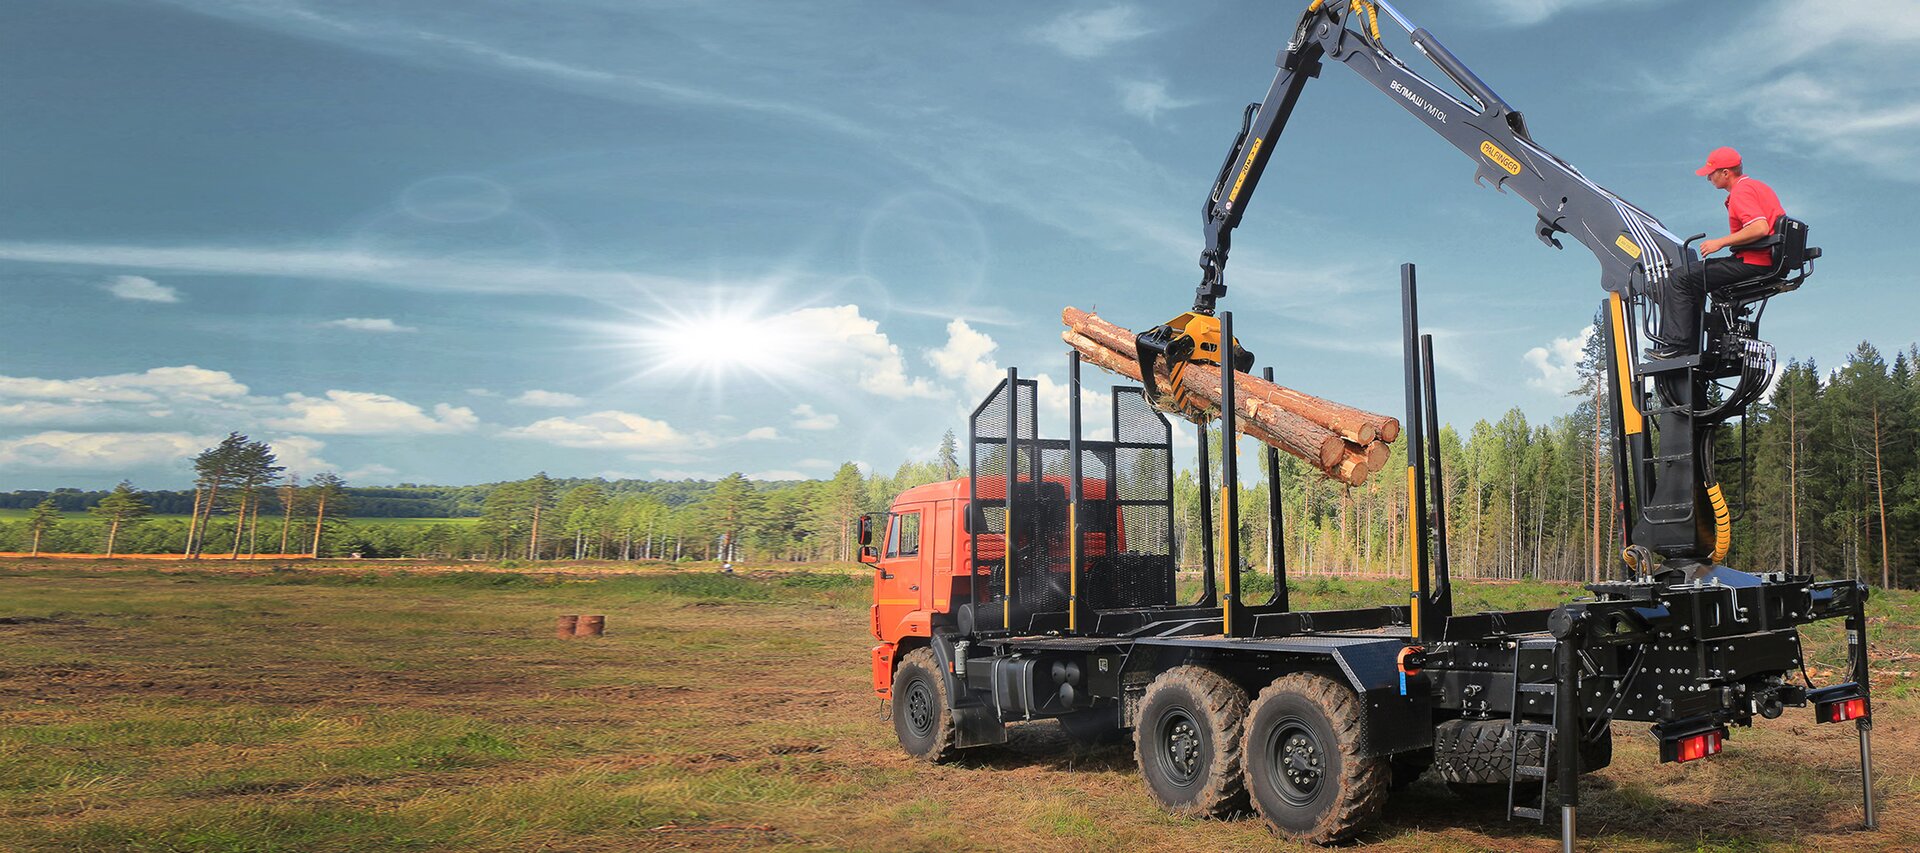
(1690, 740)
(1698, 746)
(1839, 703)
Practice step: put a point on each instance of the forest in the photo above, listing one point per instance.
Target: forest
(1824, 477)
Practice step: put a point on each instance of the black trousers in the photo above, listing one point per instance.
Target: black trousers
(1682, 299)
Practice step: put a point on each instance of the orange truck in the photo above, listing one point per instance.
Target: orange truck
(1042, 586)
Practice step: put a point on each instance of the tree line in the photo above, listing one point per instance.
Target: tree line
(1828, 483)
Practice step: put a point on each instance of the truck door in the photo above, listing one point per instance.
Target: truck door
(903, 576)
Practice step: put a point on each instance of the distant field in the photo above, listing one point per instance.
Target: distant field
(281, 710)
(18, 514)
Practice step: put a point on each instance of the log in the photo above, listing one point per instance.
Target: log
(1277, 427)
(1377, 453)
(1355, 425)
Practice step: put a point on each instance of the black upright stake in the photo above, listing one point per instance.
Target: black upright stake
(1857, 661)
(1076, 555)
(1442, 598)
(1207, 590)
(1565, 751)
(1013, 478)
(1231, 611)
(1416, 463)
(1276, 524)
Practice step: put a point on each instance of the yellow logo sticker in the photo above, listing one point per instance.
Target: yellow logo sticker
(1252, 151)
(1628, 246)
(1500, 158)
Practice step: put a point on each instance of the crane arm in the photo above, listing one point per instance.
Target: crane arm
(1635, 251)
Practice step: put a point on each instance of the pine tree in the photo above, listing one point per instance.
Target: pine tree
(121, 509)
(328, 494)
(41, 520)
(949, 457)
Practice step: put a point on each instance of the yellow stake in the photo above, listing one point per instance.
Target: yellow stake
(1226, 560)
(1073, 568)
(1413, 552)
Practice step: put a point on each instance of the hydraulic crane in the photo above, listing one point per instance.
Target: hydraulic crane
(1682, 513)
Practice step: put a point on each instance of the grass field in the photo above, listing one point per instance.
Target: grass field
(268, 710)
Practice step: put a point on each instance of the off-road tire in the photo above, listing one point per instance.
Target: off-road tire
(1187, 742)
(1475, 758)
(1094, 727)
(1304, 768)
(921, 718)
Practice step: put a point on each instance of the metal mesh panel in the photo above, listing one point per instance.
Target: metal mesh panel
(1125, 518)
(1136, 421)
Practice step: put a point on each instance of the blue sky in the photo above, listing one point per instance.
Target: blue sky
(464, 241)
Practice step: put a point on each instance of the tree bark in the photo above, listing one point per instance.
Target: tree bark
(1355, 425)
(1267, 423)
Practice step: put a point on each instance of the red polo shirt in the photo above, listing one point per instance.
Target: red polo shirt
(1748, 200)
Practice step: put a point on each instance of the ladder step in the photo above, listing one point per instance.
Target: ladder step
(1535, 772)
(1529, 813)
(1535, 727)
(1540, 687)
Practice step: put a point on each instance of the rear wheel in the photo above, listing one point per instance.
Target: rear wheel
(1304, 767)
(920, 716)
(1188, 742)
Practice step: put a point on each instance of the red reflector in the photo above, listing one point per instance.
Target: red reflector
(1699, 746)
(1851, 709)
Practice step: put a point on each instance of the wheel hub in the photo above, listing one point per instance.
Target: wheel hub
(1180, 742)
(920, 711)
(1299, 763)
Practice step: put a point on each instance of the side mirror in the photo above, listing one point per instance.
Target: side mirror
(974, 520)
(869, 555)
(865, 531)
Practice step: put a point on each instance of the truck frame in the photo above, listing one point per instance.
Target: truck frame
(1042, 586)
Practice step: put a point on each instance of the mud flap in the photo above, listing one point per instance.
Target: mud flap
(977, 725)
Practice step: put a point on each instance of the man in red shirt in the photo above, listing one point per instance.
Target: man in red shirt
(1752, 211)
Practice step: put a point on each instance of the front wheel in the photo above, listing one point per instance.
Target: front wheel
(1304, 767)
(920, 716)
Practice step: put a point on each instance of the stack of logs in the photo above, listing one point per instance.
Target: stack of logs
(1343, 442)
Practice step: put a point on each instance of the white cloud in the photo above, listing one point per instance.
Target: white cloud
(765, 433)
(839, 340)
(41, 412)
(373, 471)
(482, 392)
(547, 399)
(365, 413)
(1812, 83)
(1559, 362)
(610, 430)
(805, 417)
(1149, 98)
(967, 357)
(141, 289)
(780, 474)
(1090, 33)
(100, 451)
(369, 324)
(187, 382)
(301, 455)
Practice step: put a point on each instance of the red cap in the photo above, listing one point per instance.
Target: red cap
(1721, 158)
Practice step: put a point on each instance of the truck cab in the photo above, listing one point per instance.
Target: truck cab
(922, 559)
